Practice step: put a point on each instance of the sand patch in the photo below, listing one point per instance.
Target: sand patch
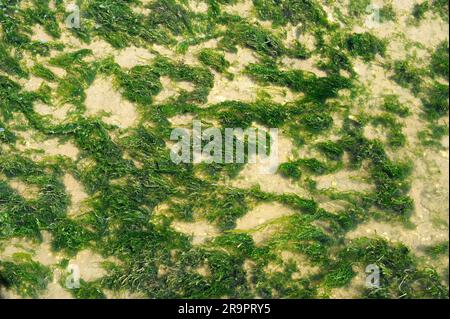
(104, 101)
(54, 289)
(354, 289)
(253, 174)
(166, 52)
(429, 190)
(31, 84)
(181, 120)
(198, 6)
(241, 88)
(89, 265)
(40, 252)
(243, 8)
(263, 234)
(199, 230)
(305, 268)
(429, 32)
(375, 132)
(100, 48)
(77, 194)
(27, 191)
(344, 181)
(377, 80)
(305, 65)
(39, 34)
(261, 214)
(59, 72)
(56, 112)
(172, 89)
(280, 95)
(203, 271)
(240, 59)
(122, 294)
(50, 147)
(132, 56)
(262, 221)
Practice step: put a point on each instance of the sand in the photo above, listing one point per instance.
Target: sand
(104, 101)
(429, 188)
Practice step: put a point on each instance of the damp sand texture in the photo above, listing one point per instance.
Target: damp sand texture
(358, 90)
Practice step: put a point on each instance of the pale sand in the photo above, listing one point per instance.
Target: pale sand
(305, 268)
(104, 101)
(263, 221)
(241, 88)
(200, 230)
(56, 113)
(51, 147)
(31, 84)
(429, 182)
(171, 89)
(41, 253)
(182, 120)
(243, 8)
(344, 181)
(198, 6)
(27, 191)
(261, 214)
(133, 56)
(77, 195)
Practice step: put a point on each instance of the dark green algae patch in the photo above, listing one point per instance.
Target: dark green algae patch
(122, 220)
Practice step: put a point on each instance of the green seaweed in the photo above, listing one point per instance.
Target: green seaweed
(407, 75)
(170, 14)
(439, 60)
(432, 135)
(254, 37)
(136, 194)
(119, 25)
(400, 277)
(358, 7)
(392, 104)
(140, 84)
(316, 88)
(290, 170)
(332, 150)
(43, 72)
(88, 290)
(10, 64)
(395, 136)
(437, 250)
(215, 60)
(23, 275)
(435, 103)
(43, 15)
(420, 9)
(307, 13)
(365, 45)
(387, 13)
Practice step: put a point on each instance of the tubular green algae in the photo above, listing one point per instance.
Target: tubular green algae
(291, 65)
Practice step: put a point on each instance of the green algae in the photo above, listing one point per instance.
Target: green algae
(24, 276)
(125, 192)
(365, 45)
